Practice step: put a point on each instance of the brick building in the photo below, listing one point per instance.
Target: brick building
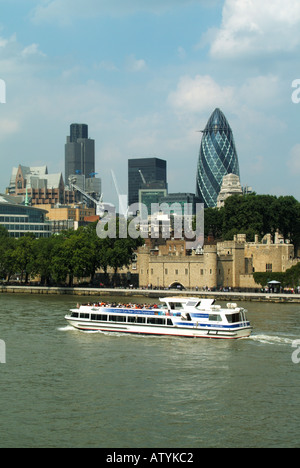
(35, 184)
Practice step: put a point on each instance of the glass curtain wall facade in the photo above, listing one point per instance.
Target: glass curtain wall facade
(218, 157)
(142, 172)
(20, 220)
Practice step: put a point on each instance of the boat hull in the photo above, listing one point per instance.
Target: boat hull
(156, 330)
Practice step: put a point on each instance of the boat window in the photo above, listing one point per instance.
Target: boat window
(233, 318)
(117, 318)
(169, 322)
(175, 305)
(131, 319)
(215, 318)
(75, 315)
(84, 316)
(101, 317)
(192, 304)
(141, 319)
(156, 321)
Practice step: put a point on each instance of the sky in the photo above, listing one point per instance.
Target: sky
(146, 75)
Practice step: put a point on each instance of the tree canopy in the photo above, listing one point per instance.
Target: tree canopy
(69, 255)
(255, 214)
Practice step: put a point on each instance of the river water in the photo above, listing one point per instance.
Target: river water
(65, 388)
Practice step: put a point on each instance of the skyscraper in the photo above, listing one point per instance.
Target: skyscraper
(217, 158)
(144, 172)
(80, 162)
(79, 153)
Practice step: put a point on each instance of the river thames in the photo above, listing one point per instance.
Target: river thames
(65, 388)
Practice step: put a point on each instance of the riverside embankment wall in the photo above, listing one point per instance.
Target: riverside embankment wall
(155, 294)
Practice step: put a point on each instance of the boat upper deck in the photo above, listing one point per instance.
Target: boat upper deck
(171, 306)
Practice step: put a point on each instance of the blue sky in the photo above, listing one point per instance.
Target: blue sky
(145, 75)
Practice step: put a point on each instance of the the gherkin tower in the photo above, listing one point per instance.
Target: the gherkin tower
(218, 157)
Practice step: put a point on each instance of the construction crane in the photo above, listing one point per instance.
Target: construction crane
(99, 204)
(122, 198)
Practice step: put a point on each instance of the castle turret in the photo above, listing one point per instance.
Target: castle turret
(211, 266)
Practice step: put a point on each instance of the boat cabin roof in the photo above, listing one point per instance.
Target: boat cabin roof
(189, 301)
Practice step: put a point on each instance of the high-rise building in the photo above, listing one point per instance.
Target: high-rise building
(78, 131)
(79, 152)
(186, 202)
(80, 162)
(144, 172)
(218, 157)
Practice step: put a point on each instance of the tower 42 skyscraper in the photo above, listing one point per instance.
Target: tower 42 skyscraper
(218, 157)
(79, 152)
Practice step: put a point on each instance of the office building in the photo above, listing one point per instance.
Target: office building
(64, 217)
(79, 153)
(151, 194)
(183, 203)
(20, 220)
(38, 187)
(217, 158)
(80, 162)
(144, 172)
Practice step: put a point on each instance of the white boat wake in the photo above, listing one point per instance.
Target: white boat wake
(270, 339)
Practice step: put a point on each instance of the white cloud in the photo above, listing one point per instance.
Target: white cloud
(31, 50)
(200, 94)
(257, 27)
(135, 65)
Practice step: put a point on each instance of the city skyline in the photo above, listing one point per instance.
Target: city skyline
(145, 77)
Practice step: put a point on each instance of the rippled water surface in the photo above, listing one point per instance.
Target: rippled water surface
(65, 388)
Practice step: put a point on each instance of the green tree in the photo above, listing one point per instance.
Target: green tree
(292, 276)
(24, 256)
(44, 248)
(213, 222)
(117, 252)
(288, 211)
(3, 233)
(7, 260)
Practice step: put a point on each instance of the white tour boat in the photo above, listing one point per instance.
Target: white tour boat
(176, 316)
